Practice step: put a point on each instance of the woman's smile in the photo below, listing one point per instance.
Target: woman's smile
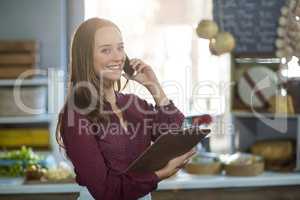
(114, 67)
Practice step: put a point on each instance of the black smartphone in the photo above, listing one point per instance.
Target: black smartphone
(128, 68)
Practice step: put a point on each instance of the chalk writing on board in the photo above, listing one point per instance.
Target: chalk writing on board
(252, 22)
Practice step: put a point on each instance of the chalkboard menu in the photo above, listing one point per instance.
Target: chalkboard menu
(252, 22)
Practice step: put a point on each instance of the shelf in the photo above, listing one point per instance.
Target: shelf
(39, 188)
(269, 115)
(44, 153)
(181, 181)
(44, 118)
(258, 60)
(187, 181)
(25, 82)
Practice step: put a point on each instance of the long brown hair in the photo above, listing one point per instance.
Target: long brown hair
(81, 70)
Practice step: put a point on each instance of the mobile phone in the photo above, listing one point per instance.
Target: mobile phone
(128, 68)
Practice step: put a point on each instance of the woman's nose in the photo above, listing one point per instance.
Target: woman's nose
(117, 55)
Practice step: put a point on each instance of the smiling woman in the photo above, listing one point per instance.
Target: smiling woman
(104, 130)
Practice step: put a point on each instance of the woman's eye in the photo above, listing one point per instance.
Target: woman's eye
(121, 48)
(106, 50)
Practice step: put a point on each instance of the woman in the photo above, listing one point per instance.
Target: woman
(103, 130)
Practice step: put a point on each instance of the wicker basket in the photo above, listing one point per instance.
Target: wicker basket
(204, 169)
(33, 97)
(253, 169)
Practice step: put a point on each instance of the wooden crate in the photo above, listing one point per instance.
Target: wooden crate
(18, 46)
(17, 57)
(27, 59)
(15, 71)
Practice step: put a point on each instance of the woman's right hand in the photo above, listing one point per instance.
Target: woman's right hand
(175, 164)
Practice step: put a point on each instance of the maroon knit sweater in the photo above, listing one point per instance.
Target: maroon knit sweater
(101, 153)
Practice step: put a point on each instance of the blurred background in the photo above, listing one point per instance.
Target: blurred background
(235, 61)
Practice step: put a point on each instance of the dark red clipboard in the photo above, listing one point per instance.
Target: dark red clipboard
(166, 147)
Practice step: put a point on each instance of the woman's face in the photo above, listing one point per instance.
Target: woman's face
(109, 55)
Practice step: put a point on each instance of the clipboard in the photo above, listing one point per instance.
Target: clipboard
(166, 147)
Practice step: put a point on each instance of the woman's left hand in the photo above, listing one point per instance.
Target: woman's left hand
(144, 74)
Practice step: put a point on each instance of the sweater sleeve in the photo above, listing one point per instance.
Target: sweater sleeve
(162, 118)
(91, 171)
